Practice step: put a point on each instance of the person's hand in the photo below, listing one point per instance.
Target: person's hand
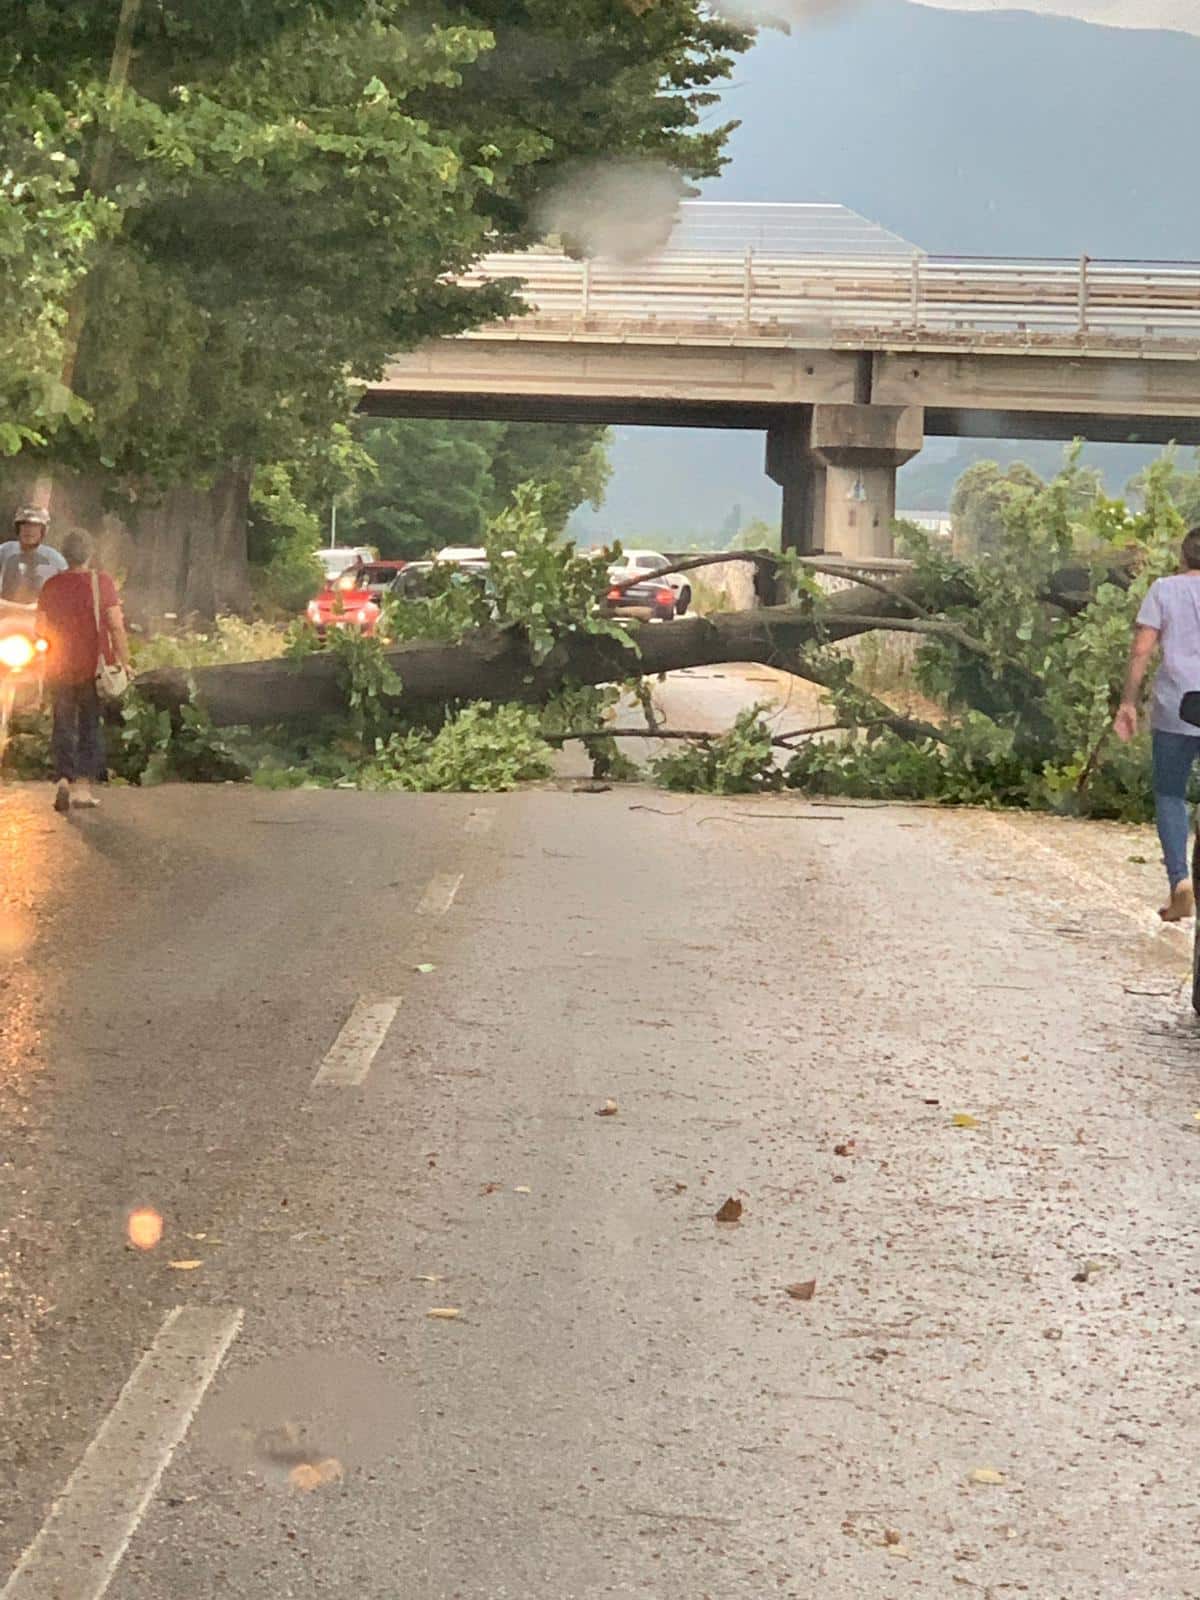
(1125, 723)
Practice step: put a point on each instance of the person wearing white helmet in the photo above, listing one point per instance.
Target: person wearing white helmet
(27, 561)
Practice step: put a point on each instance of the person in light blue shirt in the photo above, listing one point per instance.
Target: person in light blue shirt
(27, 561)
(1169, 621)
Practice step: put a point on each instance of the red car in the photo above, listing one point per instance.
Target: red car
(353, 599)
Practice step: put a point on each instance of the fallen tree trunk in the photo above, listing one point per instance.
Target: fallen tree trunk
(496, 664)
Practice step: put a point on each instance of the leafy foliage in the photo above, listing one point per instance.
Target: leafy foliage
(482, 747)
(432, 483)
(1030, 711)
(229, 639)
(739, 761)
(273, 203)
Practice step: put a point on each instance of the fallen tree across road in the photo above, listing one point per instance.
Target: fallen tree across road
(497, 664)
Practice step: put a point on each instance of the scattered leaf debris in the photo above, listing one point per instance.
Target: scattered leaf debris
(985, 1475)
(802, 1291)
(608, 1109)
(731, 1211)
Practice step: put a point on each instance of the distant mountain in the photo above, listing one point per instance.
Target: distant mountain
(972, 132)
(997, 133)
(1179, 14)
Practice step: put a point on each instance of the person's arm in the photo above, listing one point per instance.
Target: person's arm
(116, 632)
(1145, 642)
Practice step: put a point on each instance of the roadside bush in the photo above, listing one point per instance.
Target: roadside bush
(229, 639)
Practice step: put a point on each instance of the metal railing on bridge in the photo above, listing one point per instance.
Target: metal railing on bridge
(763, 298)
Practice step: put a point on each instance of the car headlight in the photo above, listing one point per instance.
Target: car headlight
(17, 650)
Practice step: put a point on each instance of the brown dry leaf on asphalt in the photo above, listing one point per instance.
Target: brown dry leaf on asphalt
(731, 1211)
(310, 1475)
(608, 1109)
(802, 1291)
(846, 1149)
(444, 1313)
(185, 1266)
(985, 1475)
(489, 1188)
(964, 1119)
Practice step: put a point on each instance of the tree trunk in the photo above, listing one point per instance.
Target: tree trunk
(495, 665)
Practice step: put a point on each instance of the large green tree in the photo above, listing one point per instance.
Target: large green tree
(292, 183)
(435, 483)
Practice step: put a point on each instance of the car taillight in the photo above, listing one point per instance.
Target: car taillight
(666, 597)
(613, 594)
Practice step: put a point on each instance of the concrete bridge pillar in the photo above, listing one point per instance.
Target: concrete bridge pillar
(801, 475)
(837, 467)
(862, 446)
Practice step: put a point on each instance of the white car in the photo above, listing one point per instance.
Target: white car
(339, 558)
(635, 563)
(461, 552)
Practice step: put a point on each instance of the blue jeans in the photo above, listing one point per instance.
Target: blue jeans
(1173, 757)
(77, 739)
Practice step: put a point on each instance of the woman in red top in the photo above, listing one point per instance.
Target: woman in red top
(67, 621)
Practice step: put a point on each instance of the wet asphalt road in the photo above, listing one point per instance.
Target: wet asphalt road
(629, 1402)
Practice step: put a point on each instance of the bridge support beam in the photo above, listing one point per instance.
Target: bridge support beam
(801, 475)
(837, 467)
(862, 447)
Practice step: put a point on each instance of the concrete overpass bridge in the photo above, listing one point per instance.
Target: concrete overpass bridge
(847, 364)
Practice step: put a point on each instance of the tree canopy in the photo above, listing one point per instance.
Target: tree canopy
(270, 199)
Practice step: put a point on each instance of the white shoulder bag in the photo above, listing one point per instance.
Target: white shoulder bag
(111, 681)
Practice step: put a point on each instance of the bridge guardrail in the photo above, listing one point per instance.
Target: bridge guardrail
(767, 295)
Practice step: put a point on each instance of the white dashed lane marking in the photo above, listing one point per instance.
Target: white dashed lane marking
(439, 894)
(352, 1052)
(90, 1525)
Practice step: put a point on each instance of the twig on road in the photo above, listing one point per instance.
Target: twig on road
(771, 816)
(682, 1516)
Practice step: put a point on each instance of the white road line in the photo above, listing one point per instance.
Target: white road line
(480, 822)
(352, 1052)
(439, 894)
(90, 1525)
